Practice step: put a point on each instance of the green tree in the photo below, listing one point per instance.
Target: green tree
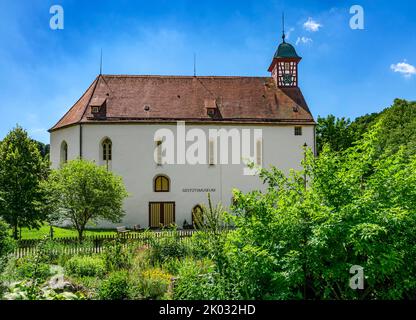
(398, 128)
(362, 124)
(398, 123)
(82, 192)
(21, 171)
(44, 149)
(334, 132)
(358, 209)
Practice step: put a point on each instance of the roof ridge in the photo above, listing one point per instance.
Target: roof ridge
(69, 110)
(178, 76)
(97, 79)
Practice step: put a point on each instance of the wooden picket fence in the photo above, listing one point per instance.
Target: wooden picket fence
(97, 243)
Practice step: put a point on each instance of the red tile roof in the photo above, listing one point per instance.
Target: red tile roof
(173, 98)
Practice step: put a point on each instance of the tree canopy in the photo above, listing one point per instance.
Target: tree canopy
(359, 209)
(82, 192)
(398, 129)
(21, 171)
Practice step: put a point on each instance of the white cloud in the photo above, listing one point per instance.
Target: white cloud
(288, 32)
(404, 68)
(303, 40)
(312, 25)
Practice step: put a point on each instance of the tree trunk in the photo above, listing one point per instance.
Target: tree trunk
(16, 229)
(80, 234)
(15, 232)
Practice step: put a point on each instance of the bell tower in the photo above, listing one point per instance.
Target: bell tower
(284, 66)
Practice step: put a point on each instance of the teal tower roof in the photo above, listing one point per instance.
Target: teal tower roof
(285, 50)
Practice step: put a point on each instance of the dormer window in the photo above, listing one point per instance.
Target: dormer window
(211, 112)
(98, 107)
(211, 107)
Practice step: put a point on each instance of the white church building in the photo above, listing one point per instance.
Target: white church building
(173, 139)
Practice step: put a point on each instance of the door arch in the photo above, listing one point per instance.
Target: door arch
(197, 216)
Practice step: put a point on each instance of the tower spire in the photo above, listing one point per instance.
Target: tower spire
(101, 62)
(283, 26)
(194, 64)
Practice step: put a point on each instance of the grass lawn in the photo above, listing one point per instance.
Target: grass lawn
(61, 232)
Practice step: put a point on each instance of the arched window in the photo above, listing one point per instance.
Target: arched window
(64, 152)
(197, 217)
(161, 184)
(107, 149)
(106, 153)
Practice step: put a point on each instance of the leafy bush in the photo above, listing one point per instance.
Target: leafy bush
(116, 256)
(29, 267)
(7, 244)
(170, 246)
(115, 286)
(89, 286)
(151, 284)
(26, 291)
(85, 266)
(172, 265)
(299, 242)
(198, 280)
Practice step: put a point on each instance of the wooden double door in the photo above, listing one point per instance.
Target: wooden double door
(161, 214)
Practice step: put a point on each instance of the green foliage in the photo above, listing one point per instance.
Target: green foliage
(209, 241)
(29, 267)
(151, 284)
(63, 232)
(6, 244)
(198, 280)
(21, 171)
(85, 266)
(333, 132)
(83, 193)
(88, 286)
(172, 265)
(44, 149)
(212, 218)
(32, 269)
(167, 247)
(398, 129)
(115, 286)
(358, 209)
(116, 256)
(24, 291)
(362, 125)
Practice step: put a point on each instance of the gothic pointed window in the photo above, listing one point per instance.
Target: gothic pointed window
(64, 152)
(106, 147)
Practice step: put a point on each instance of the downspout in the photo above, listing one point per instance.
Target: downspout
(314, 141)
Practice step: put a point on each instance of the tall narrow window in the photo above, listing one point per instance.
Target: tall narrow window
(211, 152)
(259, 152)
(161, 184)
(159, 152)
(64, 152)
(107, 151)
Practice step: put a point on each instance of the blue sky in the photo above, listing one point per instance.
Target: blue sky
(344, 72)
